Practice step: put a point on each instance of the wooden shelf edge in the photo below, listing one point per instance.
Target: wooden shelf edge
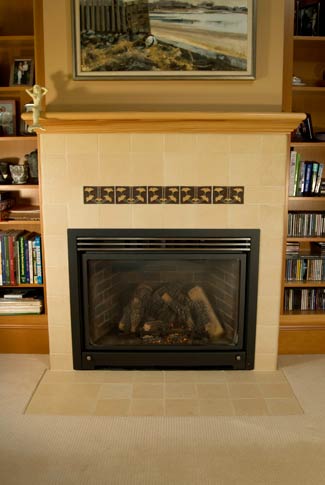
(309, 38)
(40, 318)
(166, 122)
(14, 88)
(17, 38)
(303, 319)
(307, 144)
(19, 138)
(304, 284)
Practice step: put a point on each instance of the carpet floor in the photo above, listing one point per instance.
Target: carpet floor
(173, 450)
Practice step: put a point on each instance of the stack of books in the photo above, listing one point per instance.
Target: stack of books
(20, 302)
(292, 248)
(23, 213)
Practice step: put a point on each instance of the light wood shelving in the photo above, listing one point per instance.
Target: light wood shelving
(304, 56)
(21, 36)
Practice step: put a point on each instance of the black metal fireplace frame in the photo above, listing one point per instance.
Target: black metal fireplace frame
(242, 358)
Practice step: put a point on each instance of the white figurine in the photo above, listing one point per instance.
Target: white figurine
(36, 93)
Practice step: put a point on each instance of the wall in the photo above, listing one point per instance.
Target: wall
(70, 162)
(262, 94)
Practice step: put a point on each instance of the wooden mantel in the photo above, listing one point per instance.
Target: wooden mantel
(166, 122)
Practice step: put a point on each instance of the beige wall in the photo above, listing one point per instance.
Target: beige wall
(263, 94)
(70, 162)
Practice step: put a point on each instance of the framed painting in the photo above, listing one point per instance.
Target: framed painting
(164, 39)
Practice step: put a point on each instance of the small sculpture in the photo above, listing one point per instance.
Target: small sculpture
(36, 93)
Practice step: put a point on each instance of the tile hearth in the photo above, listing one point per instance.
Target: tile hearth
(164, 393)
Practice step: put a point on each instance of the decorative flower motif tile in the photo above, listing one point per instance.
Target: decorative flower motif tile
(131, 194)
(228, 195)
(98, 195)
(195, 195)
(158, 194)
(163, 195)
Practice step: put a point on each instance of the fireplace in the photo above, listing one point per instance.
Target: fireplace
(144, 298)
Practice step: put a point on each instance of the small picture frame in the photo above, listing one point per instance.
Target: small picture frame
(22, 72)
(7, 117)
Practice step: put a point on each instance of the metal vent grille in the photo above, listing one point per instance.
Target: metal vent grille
(214, 244)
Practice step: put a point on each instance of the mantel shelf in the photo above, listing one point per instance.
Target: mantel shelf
(166, 122)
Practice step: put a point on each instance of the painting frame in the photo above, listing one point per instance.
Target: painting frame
(22, 72)
(8, 118)
(92, 39)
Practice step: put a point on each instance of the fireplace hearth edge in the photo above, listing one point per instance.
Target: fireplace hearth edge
(239, 356)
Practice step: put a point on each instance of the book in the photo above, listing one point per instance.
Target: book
(24, 212)
(319, 177)
(12, 237)
(292, 170)
(22, 257)
(38, 274)
(314, 174)
(308, 177)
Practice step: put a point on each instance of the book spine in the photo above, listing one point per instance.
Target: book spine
(37, 245)
(315, 166)
(292, 170)
(22, 260)
(319, 178)
(26, 260)
(301, 179)
(296, 175)
(1, 280)
(308, 175)
(7, 259)
(11, 260)
(30, 259)
(17, 261)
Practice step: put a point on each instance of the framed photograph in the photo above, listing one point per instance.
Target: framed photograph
(22, 72)
(310, 17)
(7, 117)
(164, 39)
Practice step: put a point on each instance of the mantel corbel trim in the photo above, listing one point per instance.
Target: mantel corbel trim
(166, 122)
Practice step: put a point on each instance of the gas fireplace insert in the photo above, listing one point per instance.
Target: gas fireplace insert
(163, 298)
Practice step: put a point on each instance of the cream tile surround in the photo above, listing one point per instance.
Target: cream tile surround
(70, 161)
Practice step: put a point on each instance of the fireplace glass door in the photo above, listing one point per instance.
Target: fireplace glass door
(163, 300)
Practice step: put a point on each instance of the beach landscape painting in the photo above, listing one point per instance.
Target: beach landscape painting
(157, 39)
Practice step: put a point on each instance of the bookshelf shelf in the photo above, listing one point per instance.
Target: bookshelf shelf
(19, 187)
(312, 39)
(32, 320)
(22, 286)
(17, 38)
(13, 89)
(307, 144)
(311, 89)
(17, 138)
(20, 222)
(304, 284)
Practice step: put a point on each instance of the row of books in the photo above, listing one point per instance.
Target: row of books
(20, 301)
(307, 268)
(304, 299)
(20, 257)
(306, 224)
(305, 177)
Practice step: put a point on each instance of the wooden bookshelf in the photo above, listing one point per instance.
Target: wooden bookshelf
(303, 331)
(21, 36)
